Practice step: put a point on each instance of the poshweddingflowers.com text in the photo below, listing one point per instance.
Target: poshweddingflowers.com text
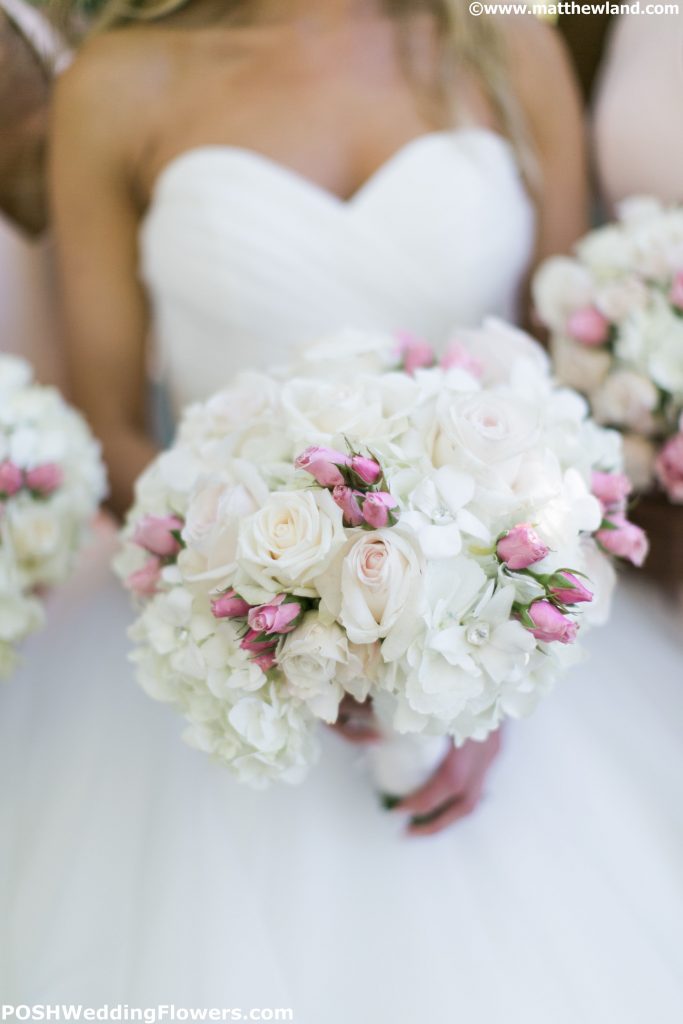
(147, 1015)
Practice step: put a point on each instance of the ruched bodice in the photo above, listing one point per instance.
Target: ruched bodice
(244, 258)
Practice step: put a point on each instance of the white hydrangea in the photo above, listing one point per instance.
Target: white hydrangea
(420, 615)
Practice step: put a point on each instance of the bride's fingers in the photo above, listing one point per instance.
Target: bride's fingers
(447, 784)
(458, 808)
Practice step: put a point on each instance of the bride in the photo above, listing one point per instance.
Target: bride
(238, 179)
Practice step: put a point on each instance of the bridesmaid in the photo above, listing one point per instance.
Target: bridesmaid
(638, 119)
(29, 51)
(638, 142)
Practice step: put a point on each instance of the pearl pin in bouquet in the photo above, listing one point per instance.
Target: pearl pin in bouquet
(432, 535)
(51, 483)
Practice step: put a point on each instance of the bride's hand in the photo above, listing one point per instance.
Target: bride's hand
(356, 722)
(454, 790)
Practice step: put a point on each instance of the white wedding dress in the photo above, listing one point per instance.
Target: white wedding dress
(135, 871)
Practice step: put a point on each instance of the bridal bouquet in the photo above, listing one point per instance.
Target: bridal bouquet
(51, 482)
(615, 313)
(434, 536)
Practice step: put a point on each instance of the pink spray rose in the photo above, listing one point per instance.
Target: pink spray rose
(144, 582)
(550, 624)
(611, 489)
(230, 606)
(624, 539)
(45, 479)
(323, 464)
(571, 592)
(347, 499)
(368, 470)
(377, 507)
(276, 617)
(11, 478)
(251, 643)
(458, 357)
(266, 661)
(588, 326)
(156, 535)
(520, 547)
(669, 468)
(676, 293)
(414, 352)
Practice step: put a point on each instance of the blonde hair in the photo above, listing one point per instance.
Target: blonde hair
(474, 44)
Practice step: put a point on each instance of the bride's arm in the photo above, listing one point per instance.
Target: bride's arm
(96, 223)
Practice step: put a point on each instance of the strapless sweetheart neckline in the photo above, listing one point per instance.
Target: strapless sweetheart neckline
(300, 180)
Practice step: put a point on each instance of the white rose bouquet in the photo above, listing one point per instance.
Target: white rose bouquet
(51, 482)
(615, 313)
(430, 536)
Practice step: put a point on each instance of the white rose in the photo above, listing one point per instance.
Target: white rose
(607, 251)
(485, 428)
(212, 526)
(347, 353)
(578, 366)
(35, 531)
(317, 412)
(627, 399)
(374, 588)
(497, 347)
(617, 299)
(317, 663)
(290, 540)
(560, 287)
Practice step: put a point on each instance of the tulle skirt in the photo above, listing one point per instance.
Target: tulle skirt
(134, 871)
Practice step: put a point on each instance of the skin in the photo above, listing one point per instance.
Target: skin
(24, 97)
(137, 98)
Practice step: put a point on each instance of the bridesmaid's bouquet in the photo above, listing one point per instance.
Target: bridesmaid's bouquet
(51, 482)
(615, 313)
(433, 536)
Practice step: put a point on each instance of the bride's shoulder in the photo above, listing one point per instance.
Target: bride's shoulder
(119, 65)
(112, 94)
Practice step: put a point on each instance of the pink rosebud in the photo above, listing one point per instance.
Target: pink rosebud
(676, 293)
(367, 469)
(266, 661)
(414, 352)
(611, 489)
(571, 592)
(323, 464)
(669, 468)
(45, 479)
(588, 326)
(520, 547)
(156, 535)
(251, 643)
(230, 606)
(377, 507)
(549, 624)
(11, 479)
(276, 617)
(347, 499)
(144, 582)
(625, 540)
(458, 357)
